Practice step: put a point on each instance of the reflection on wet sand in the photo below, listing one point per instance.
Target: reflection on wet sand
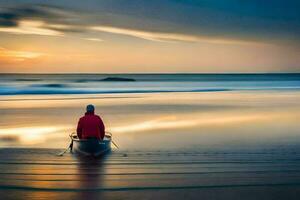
(32, 135)
(173, 122)
(253, 174)
(197, 119)
(90, 171)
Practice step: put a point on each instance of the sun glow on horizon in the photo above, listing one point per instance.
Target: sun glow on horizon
(11, 55)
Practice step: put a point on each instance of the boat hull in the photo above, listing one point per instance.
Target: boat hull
(91, 147)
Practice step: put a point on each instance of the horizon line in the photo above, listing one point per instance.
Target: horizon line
(143, 73)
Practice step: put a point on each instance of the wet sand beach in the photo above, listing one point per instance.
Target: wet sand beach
(157, 121)
(247, 174)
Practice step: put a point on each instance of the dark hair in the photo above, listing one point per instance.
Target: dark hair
(90, 108)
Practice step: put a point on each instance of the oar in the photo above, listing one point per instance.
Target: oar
(112, 140)
(114, 144)
(69, 147)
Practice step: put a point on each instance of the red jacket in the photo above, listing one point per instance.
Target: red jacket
(90, 125)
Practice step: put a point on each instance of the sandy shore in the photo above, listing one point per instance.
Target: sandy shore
(217, 145)
(256, 174)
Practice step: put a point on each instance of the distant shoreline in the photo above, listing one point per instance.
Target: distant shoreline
(153, 73)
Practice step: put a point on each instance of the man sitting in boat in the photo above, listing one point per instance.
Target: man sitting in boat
(90, 125)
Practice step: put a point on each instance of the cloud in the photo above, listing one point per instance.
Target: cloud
(153, 36)
(64, 28)
(11, 17)
(31, 27)
(8, 19)
(55, 21)
(11, 55)
(167, 37)
(9, 138)
(175, 21)
(94, 39)
(38, 20)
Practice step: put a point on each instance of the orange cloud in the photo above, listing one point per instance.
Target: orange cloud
(16, 56)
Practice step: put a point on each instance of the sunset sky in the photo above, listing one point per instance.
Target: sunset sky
(143, 36)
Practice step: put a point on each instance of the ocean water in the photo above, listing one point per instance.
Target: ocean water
(153, 111)
(35, 84)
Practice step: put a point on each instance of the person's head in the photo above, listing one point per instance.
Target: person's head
(90, 108)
